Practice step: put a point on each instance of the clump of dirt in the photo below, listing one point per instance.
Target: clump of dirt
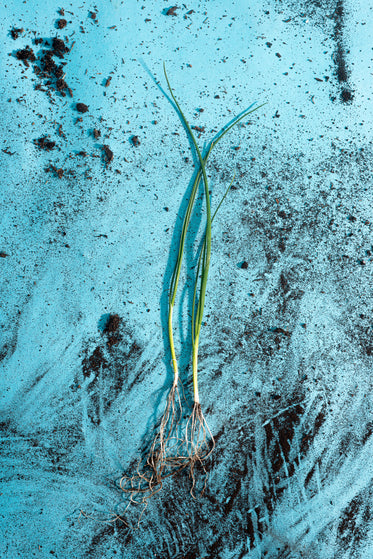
(26, 55)
(94, 362)
(347, 96)
(112, 324)
(61, 23)
(172, 11)
(96, 134)
(44, 65)
(44, 143)
(58, 172)
(108, 154)
(111, 329)
(59, 47)
(15, 33)
(82, 107)
(135, 141)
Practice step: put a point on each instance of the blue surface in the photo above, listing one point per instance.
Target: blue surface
(286, 351)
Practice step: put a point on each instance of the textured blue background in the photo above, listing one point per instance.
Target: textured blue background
(286, 351)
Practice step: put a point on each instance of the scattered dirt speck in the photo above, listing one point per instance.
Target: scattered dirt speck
(94, 362)
(172, 11)
(108, 154)
(58, 172)
(135, 141)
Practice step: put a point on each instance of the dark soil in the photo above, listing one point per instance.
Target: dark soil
(172, 11)
(44, 65)
(108, 154)
(26, 55)
(81, 107)
(59, 47)
(58, 172)
(199, 129)
(44, 143)
(61, 23)
(341, 70)
(347, 96)
(15, 33)
(94, 362)
(112, 324)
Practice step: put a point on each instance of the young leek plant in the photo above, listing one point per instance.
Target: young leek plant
(170, 450)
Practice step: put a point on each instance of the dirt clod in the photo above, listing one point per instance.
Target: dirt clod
(347, 96)
(44, 143)
(172, 11)
(15, 33)
(26, 54)
(81, 107)
(112, 324)
(59, 47)
(135, 141)
(61, 23)
(108, 154)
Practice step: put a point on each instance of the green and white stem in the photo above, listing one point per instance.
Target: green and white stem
(197, 313)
